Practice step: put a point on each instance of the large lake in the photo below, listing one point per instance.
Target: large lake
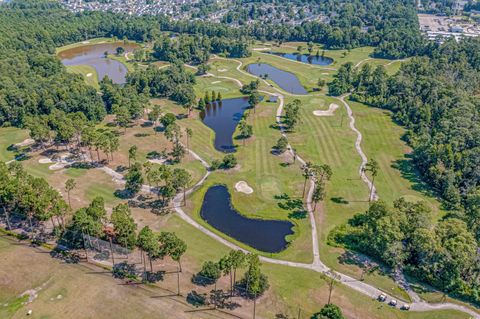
(223, 117)
(286, 80)
(264, 235)
(94, 56)
(310, 59)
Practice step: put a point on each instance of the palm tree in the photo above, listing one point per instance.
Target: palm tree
(69, 186)
(306, 173)
(132, 154)
(372, 167)
(189, 136)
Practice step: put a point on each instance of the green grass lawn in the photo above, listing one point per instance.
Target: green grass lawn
(265, 173)
(88, 72)
(331, 141)
(9, 136)
(382, 141)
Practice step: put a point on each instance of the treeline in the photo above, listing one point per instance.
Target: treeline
(391, 25)
(436, 99)
(443, 254)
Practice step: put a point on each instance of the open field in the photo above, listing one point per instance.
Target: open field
(59, 290)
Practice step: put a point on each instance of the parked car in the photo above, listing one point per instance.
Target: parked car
(393, 303)
(382, 297)
(405, 307)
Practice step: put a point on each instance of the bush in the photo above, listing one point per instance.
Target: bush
(281, 145)
(215, 165)
(229, 161)
(329, 311)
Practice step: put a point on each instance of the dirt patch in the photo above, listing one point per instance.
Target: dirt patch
(243, 187)
(329, 112)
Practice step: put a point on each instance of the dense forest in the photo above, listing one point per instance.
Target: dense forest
(436, 97)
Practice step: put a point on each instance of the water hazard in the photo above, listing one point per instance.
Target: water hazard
(223, 117)
(286, 80)
(94, 56)
(264, 235)
(310, 59)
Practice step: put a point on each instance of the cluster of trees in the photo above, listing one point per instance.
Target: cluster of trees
(31, 198)
(167, 181)
(292, 115)
(320, 174)
(173, 82)
(443, 254)
(209, 99)
(254, 283)
(196, 49)
(93, 221)
(228, 161)
(73, 130)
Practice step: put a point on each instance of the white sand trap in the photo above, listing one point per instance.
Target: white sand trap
(86, 42)
(329, 112)
(222, 70)
(158, 161)
(215, 82)
(56, 166)
(25, 142)
(325, 73)
(243, 187)
(89, 75)
(45, 161)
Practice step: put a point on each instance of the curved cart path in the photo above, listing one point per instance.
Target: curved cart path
(317, 265)
(358, 147)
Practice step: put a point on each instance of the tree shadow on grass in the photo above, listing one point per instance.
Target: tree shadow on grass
(410, 173)
(339, 200)
(155, 276)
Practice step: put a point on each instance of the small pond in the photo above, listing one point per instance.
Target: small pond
(94, 56)
(310, 59)
(264, 235)
(223, 117)
(286, 80)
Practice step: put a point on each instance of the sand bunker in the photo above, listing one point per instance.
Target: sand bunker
(243, 187)
(222, 70)
(25, 142)
(45, 161)
(329, 112)
(158, 161)
(89, 75)
(215, 82)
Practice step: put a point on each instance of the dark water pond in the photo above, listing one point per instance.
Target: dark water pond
(223, 117)
(264, 235)
(286, 80)
(310, 59)
(93, 55)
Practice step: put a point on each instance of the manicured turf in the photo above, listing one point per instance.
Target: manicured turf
(9, 136)
(265, 173)
(86, 70)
